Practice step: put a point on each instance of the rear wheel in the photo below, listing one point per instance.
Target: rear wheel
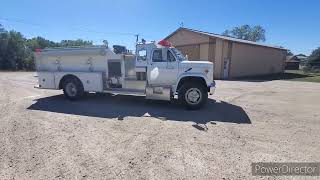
(193, 95)
(73, 88)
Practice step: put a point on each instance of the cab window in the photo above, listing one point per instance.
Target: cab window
(170, 56)
(142, 55)
(157, 56)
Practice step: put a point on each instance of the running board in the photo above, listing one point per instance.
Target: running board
(133, 92)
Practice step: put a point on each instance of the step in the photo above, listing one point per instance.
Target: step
(125, 91)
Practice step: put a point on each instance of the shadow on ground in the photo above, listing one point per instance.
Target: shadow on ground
(282, 76)
(108, 106)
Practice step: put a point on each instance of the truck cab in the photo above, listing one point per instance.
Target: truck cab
(163, 65)
(157, 71)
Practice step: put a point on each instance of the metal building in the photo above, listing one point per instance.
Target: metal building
(232, 57)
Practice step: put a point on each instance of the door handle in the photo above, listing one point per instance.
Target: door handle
(170, 67)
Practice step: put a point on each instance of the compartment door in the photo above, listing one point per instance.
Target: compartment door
(46, 80)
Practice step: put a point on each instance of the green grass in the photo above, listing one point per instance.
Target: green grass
(288, 75)
(299, 75)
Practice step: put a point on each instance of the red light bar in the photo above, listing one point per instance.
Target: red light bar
(165, 43)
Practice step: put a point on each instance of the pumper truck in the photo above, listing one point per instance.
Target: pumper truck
(157, 71)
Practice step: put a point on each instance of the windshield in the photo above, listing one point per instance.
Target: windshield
(178, 54)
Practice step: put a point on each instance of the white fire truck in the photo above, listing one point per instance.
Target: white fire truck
(157, 71)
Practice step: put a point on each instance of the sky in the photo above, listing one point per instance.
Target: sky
(289, 23)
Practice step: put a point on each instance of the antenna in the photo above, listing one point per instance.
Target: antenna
(181, 24)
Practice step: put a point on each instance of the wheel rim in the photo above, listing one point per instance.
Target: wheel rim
(193, 96)
(71, 89)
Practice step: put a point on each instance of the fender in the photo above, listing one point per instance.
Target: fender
(191, 74)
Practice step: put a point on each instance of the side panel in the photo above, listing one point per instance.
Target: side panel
(218, 59)
(191, 51)
(129, 67)
(46, 80)
(204, 52)
(92, 81)
(85, 59)
(159, 93)
(134, 84)
(249, 60)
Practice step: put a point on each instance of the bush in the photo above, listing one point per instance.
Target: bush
(315, 69)
(16, 51)
(306, 69)
(314, 59)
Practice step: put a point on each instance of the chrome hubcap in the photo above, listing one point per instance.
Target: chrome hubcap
(193, 96)
(71, 89)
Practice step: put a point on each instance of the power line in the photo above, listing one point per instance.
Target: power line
(79, 29)
(74, 28)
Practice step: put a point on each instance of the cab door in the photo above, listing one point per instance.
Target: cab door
(163, 68)
(172, 67)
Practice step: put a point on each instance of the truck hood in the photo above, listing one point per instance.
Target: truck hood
(198, 64)
(199, 67)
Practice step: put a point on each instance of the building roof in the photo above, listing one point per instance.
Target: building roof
(301, 57)
(289, 57)
(296, 58)
(225, 38)
(292, 59)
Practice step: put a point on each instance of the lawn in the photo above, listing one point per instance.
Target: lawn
(290, 75)
(299, 75)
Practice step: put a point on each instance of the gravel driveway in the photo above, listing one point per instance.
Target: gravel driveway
(44, 136)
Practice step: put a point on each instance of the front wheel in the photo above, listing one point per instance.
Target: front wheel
(73, 88)
(193, 95)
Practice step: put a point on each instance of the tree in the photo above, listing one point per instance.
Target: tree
(314, 58)
(2, 29)
(14, 54)
(315, 53)
(28, 62)
(289, 53)
(78, 42)
(40, 42)
(12, 50)
(246, 32)
(3, 43)
(119, 49)
(17, 52)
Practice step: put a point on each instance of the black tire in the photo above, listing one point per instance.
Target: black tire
(195, 88)
(77, 88)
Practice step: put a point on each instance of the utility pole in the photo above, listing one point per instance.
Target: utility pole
(137, 38)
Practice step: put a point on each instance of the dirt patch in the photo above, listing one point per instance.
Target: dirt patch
(44, 136)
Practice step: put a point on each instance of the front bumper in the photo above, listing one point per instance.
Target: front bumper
(212, 88)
